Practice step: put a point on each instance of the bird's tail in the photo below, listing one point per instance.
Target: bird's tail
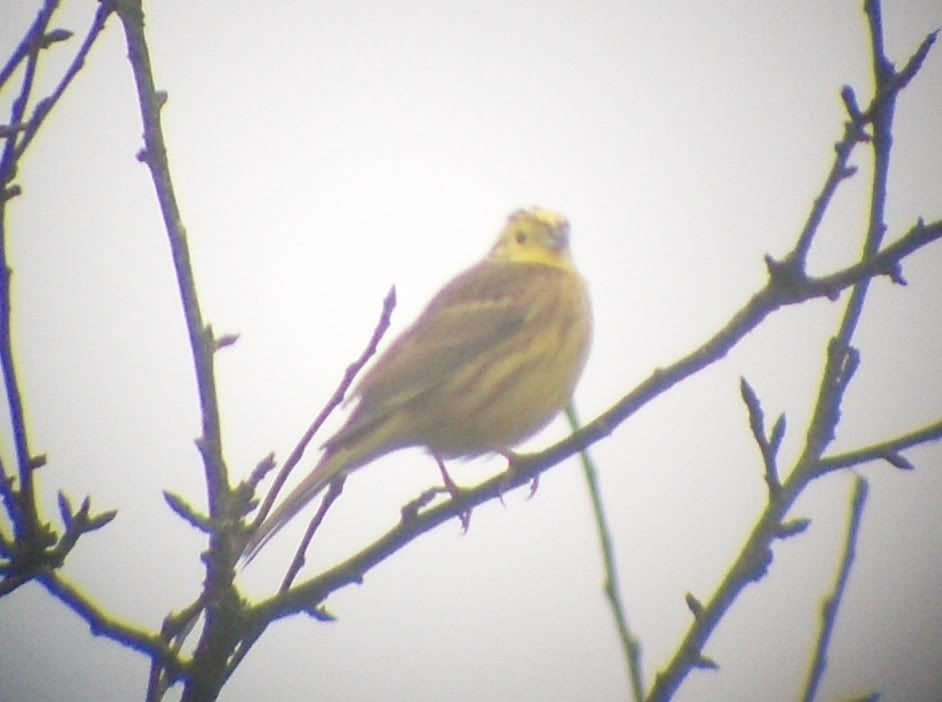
(331, 464)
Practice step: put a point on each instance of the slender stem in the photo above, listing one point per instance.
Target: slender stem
(23, 509)
(831, 605)
(45, 106)
(389, 303)
(29, 41)
(103, 624)
(880, 451)
(21, 503)
(837, 372)
(629, 642)
(382, 325)
(218, 637)
(853, 134)
(202, 341)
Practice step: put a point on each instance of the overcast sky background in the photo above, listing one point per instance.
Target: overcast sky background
(324, 151)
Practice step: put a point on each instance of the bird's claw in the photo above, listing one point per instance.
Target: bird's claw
(509, 472)
(456, 492)
(534, 486)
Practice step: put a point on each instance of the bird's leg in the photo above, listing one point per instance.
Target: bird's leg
(512, 458)
(454, 491)
(450, 484)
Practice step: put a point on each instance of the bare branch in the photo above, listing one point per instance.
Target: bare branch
(333, 492)
(885, 450)
(44, 106)
(853, 135)
(226, 507)
(102, 624)
(757, 425)
(629, 642)
(33, 538)
(186, 512)
(202, 341)
(30, 42)
(23, 514)
(793, 527)
(389, 304)
(842, 361)
(832, 603)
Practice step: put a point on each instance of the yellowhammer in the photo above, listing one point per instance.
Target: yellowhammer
(491, 360)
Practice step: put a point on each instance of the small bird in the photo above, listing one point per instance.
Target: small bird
(491, 360)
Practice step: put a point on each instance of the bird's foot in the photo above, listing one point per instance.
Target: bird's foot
(456, 493)
(509, 475)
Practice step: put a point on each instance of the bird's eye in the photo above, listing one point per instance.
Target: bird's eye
(520, 236)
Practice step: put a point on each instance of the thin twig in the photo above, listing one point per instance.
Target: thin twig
(30, 40)
(223, 603)
(23, 514)
(841, 362)
(202, 341)
(389, 303)
(880, 451)
(175, 629)
(12, 582)
(757, 426)
(103, 624)
(831, 605)
(629, 642)
(333, 492)
(853, 135)
(20, 504)
(45, 106)
(382, 325)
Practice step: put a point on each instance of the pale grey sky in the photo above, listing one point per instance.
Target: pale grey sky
(323, 151)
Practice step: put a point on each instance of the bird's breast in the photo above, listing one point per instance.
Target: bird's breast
(516, 388)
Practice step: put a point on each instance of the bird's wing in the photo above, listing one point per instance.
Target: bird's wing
(477, 310)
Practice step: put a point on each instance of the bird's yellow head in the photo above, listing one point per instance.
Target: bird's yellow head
(534, 235)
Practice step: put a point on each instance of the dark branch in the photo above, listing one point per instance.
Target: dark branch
(31, 40)
(841, 362)
(389, 304)
(757, 425)
(21, 503)
(102, 624)
(226, 507)
(43, 107)
(631, 648)
(202, 341)
(885, 450)
(831, 605)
